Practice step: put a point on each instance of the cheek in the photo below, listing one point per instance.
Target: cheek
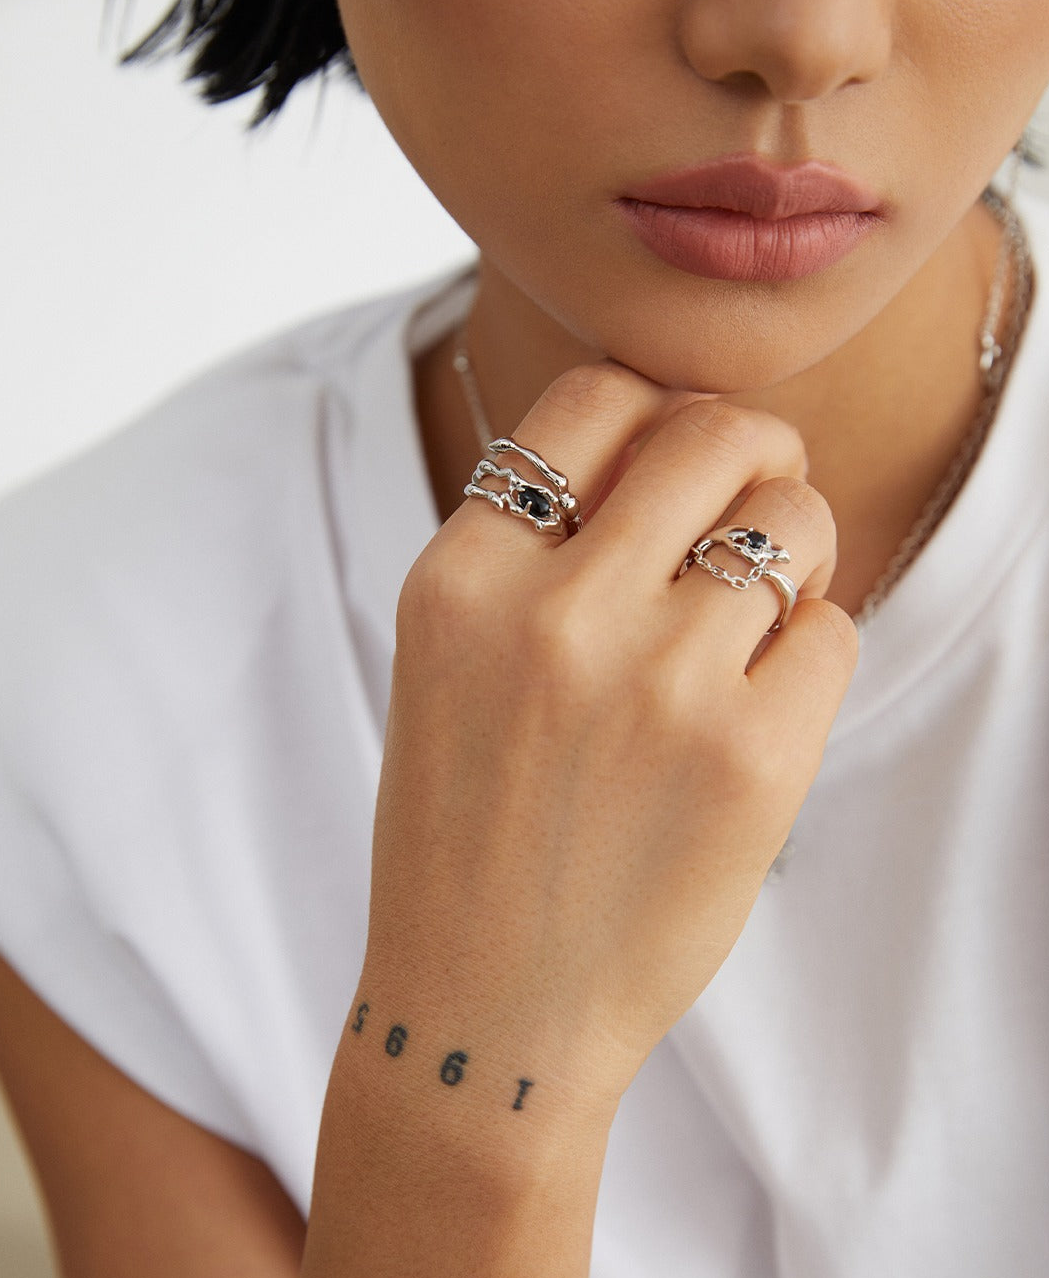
(493, 100)
(442, 75)
(970, 74)
(525, 117)
(981, 67)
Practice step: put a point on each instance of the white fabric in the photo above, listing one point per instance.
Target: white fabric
(196, 630)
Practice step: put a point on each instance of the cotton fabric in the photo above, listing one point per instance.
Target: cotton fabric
(196, 635)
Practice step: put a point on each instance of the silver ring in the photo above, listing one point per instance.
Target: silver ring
(759, 551)
(788, 597)
(550, 506)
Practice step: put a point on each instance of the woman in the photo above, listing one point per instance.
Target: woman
(738, 299)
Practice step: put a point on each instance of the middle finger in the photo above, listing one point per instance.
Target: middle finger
(706, 457)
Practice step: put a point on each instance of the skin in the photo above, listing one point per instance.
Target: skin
(527, 121)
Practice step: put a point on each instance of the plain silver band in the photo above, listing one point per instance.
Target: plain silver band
(789, 597)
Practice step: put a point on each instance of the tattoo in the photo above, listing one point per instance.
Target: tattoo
(453, 1067)
(523, 1084)
(396, 1040)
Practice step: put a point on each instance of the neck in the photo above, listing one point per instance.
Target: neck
(882, 417)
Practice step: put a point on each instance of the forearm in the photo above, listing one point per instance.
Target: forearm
(452, 1157)
(587, 774)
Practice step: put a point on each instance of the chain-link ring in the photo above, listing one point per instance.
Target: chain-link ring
(758, 550)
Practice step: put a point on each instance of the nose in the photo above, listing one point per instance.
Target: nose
(797, 50)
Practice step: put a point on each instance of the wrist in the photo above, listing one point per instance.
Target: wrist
(428, 1161)
(520, 1079)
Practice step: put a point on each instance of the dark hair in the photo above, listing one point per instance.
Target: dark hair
(242, 45)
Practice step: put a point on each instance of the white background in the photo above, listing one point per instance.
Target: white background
(143, 235)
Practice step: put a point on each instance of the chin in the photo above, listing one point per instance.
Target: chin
(718, 366)
(725, 341)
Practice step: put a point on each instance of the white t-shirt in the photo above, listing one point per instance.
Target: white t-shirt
(196, 630)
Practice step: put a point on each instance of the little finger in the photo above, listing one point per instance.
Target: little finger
(803, 675)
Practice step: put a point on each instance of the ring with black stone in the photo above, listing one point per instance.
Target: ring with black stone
(549, 506)
(757, 549)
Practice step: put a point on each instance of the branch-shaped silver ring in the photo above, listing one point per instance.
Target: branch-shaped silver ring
(550, 506)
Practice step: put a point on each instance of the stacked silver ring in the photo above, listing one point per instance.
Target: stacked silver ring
(550, 506)
(757, 549)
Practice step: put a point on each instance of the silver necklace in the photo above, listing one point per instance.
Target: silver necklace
(995, 356)
(995, 360)
(463, 365)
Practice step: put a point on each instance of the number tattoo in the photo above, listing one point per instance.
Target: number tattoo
(523, 1084)
(452, 1069)
(396, 1040)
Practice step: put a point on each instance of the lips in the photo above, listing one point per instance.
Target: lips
(743, 218)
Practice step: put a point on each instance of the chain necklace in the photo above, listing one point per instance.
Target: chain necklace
(994, 364)
(995, 359)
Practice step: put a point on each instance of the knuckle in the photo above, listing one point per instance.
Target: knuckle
(552, 646)
(749, 760)
(836, 629)
(558, 639)
(802, 501)
(748, 749)
(593, 390)
(728, 435)
(666, 696)
(744, 439)
(790, 442)
(437, 593)
(735, 427)
(673, 690)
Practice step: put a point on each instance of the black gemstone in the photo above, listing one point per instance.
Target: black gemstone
(756, 540)
(532, 500)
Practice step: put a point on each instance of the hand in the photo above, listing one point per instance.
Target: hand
(588, 771)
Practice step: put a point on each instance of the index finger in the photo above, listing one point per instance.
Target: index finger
(582, 425)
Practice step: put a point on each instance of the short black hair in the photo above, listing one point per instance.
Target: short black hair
(239, 46)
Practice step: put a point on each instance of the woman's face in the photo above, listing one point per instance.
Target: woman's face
(542, 126)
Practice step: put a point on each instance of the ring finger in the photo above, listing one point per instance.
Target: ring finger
(795, 519)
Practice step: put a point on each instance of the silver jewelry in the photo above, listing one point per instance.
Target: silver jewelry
(996, 348)
(996, 353)
(990, 351)
(550, 507)
(463, 365)
(759, 551)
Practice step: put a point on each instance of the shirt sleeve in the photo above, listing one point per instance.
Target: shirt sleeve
(139, 583)
(53, 936)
